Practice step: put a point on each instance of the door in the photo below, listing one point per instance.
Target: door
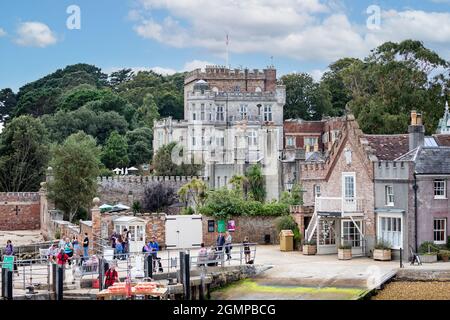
(348, 192)
(137, 238)
(351, 235)
(184, 232)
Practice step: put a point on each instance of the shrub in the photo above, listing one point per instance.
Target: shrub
(444, 253)
(310, 243)
(428, 247)
(345, 246)
(382, 245)
(158, 196)
(288, 223)
(188, 211)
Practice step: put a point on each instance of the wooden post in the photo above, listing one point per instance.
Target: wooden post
(4, 272)
(101, 272)
(149, 268)
(59, 283)
(9, 285)
(187, 277)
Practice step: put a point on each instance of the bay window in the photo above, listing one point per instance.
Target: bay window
(390, 230)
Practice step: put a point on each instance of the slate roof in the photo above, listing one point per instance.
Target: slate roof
(442, 139)
(388, 147)
(433, 160)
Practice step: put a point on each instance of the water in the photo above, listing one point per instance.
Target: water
(254, 289)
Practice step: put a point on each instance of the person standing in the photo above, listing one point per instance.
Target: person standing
(62, 258)
(86, 247)
(111, 276)
(126, 240)
(68, 249)
(9, 249)
(247, 251)
(220, 242)
(154, 248)
(202, 255)
(228, 241)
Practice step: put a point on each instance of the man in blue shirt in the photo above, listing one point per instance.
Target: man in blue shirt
(154, 248)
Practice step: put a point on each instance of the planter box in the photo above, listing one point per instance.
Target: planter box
(344, 254)
(309, 250)
(425, 258)
(382, 254)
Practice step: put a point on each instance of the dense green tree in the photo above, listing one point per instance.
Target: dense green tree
(115, 151)
(23, 155)
(256, 183)
(147, 113)
(333, 81)
(395, 79)
(75, 166)
(164, 165)
(140, 143)
(194, 192)
(8, 101)
(305, 98)
(118, 77)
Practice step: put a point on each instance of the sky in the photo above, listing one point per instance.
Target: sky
(39, 37)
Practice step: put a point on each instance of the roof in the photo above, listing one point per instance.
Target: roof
(442, 139)
(433, 160)
(128, 219)
(388, 147)
(302, 126)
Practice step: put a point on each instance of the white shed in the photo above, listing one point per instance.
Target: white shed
(136, 226)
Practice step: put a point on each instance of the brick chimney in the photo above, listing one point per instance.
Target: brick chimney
(416, 131)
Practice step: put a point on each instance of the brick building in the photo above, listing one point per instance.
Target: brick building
(20, 211)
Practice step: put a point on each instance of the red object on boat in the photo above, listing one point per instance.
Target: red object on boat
(95, 284)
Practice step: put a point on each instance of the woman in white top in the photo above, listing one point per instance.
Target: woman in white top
(228, 240)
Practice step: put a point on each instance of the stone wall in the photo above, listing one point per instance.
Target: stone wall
(253, 227)
(19, 211)
(126, 189)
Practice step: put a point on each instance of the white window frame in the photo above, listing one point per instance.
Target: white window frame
(327, 232)
(243, 111)
(390, 225)
(310, 141)
(317, 190)
(348, 203)
(443, 189)
(252, 138)
(220, 113)
(202, 112)
(444, 229)
(268, 113)
(389, 196)
(360, 239)
(290, 141)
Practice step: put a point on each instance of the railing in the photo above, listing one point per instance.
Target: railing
(345, 206)
(245, 118)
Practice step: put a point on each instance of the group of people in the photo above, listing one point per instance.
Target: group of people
(224, 241)
(68, 250)
(121, 244)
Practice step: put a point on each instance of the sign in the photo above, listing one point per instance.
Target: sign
(8, 262)
(211, 225)
(221, 226)
(231, 226)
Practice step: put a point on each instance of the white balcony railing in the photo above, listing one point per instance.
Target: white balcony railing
(345, 206)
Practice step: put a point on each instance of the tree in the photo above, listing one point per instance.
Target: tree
(75, 166)
(240, 184)
(157, 197)
(333, 81)
(23, 155)
(256, 183)
(140, 143)
(164, 166)
(115, 151)
(8, 101)
(305, 98)
(118, 77)
(395, 79)
(194, 191)
(147, 113)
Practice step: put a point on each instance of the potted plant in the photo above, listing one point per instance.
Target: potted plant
(428, 252)
(444, 254)
(309, 248)
(382, 251)
(345, 251)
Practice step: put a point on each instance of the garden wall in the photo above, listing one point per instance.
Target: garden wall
(20, 211)
(126, 189)
(255, 228)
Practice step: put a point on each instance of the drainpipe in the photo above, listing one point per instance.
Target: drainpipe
(415, 187)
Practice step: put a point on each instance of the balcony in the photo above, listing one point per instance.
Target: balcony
(249, 118)
(342, 207)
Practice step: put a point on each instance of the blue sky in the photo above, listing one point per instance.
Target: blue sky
(178, 35)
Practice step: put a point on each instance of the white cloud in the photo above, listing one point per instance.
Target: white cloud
(317, 74)
(35, 34)
(311, 30)
(2, 32)
(188, 66)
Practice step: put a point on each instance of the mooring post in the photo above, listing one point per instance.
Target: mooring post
(54, 277)
(149, 268)
(59, 283)
(181, 272)
(4, 271)
(187, 277)
(9, 285)
(101, 272)
(401, 258)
